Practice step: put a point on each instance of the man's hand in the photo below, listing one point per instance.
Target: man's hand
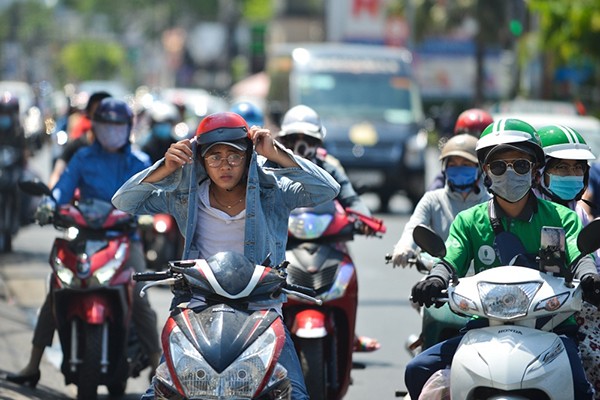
(590, 285)
(426, 291)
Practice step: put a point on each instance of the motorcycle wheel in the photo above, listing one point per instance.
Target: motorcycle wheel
(314, 367)
(89, 369)
(117, 389)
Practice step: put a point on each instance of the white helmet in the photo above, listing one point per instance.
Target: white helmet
(304, 120)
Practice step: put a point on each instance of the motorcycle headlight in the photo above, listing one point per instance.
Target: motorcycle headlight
(240, 380)
(64, 274)
(103, 275)
(308, 226)
(507, 302)
(342, 280)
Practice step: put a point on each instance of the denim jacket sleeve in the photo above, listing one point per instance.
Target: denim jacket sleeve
(137, 197)
(303, 186)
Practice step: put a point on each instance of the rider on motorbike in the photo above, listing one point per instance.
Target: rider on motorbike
(472, 122)
(510, 155)
(97, 171)
(564, 179)
(303, 133)
(231, 188)
(84, 139)
(438, 208)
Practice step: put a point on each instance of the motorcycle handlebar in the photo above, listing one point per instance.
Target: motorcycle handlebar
(301, 289)
(151, 276)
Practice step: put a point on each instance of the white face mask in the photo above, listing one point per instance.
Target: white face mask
(511, 186)
(111, 136)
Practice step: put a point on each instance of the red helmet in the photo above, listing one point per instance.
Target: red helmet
(222, 127)
(472, 121)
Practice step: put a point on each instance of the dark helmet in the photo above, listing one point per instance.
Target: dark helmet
(113, 111)
(94, 99)
(223, 127)
(9, 103)
(250, 112)
(472, 121)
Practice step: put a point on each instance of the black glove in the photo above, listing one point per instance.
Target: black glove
(591, 289)
(426, 291)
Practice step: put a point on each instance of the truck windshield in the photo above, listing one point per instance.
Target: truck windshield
(372, 96)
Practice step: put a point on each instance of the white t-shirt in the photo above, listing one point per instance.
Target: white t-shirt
(216, 230)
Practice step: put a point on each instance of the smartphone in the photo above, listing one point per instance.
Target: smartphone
(553, 238)
(552, 249)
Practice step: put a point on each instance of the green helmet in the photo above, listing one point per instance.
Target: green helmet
(513, 133)
(559, 141)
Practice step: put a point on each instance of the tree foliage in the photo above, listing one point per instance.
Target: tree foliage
(569, 29)
(91, 59)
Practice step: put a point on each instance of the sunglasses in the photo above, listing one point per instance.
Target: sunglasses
(521, 166)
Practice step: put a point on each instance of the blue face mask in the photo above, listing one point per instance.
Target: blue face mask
(162, 130)
(5, 121)
(565, 187)
(462, 178)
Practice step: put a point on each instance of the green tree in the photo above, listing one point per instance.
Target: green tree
(91, 59)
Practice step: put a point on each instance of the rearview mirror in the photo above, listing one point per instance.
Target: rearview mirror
(429, 241)
(588, 240)
(35, 187)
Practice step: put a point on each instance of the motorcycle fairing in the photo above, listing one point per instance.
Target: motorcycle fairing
(220, 346)
(519, 358)
(313, 265)
(220, 334)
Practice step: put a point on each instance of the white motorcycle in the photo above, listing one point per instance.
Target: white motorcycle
(516, 356)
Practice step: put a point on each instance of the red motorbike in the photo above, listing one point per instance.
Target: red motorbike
(161, 239)
(92, 289)
(319, 259)
(226, 342)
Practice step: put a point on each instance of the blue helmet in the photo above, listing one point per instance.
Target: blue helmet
(113, 111)
(250, 112)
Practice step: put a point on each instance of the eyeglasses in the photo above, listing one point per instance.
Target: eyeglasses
(566, 169)
(521, 166)
(216, 160)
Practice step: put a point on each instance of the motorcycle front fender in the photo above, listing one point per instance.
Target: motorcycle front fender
(310, 324)
(93, 309)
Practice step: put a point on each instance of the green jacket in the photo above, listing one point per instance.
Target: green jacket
(471, 237)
